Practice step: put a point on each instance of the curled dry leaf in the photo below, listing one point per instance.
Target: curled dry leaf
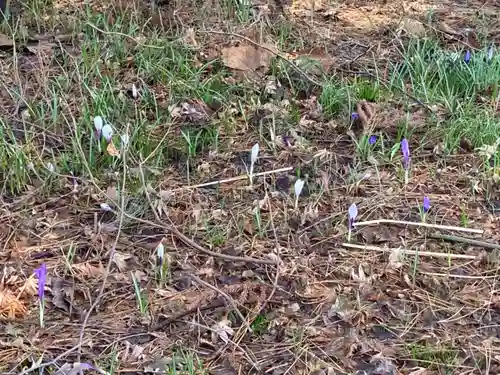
(61, 290)
(395, 258)
(75, 369)
(112, 150)
(131, 353)
(222, 330)
(120, 260)
(413, 27)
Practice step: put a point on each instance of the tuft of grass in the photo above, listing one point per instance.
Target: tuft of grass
(368, 90)
(140, 296)
(433, 356)
(334, 98)
(260, 325)
(440, 76)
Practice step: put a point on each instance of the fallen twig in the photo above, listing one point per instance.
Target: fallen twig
(232, 179)
(410, 252)
(459, 276)
(469, 241)
(418, 224)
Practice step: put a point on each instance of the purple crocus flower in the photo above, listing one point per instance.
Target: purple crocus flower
(372, 139)
(353, 212)
(467, 57)
(85, 366)
(405, 149)
(426, 205)
(41, 275)
(354, 116)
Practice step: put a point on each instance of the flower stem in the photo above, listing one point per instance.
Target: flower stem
(40, 314)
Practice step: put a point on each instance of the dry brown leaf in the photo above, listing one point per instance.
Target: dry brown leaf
(247, 58)
(112, 193)
(60, 293)
(395, 258)
(419, 371)
(319, 55)
(120, 260)
(5, 41)
(413, 28)
(222, 330)
(87, 270)
(112, 150)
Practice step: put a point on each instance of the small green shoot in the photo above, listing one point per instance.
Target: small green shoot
(140, 296)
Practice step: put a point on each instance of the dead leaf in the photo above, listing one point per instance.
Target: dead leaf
(42, 47)
(419, 371)
(445, 28)
(131, 353)
(318, 55)
(247, 58)
(395, 258)
(112, 193)
(60, 291)
(413, 28)
(87, 270)
(5, 41)
(223, 330)
(190, 37)
(112, 150)
(120, 260)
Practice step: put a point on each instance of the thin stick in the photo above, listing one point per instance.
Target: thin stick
(469, 241)
(459, 276)
(410, 252)
(232, 179)
(418, 224)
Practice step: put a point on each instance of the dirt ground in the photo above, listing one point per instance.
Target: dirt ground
(252, 279)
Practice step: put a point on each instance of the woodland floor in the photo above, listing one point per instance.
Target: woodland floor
(254, 280)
